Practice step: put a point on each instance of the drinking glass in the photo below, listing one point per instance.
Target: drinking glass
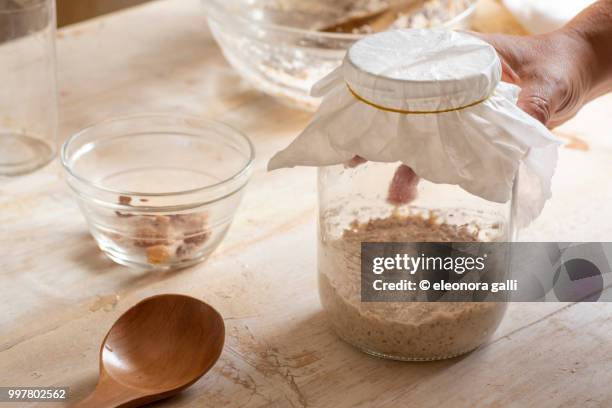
(28, 90)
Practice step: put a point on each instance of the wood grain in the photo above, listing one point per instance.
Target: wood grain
(60, 296)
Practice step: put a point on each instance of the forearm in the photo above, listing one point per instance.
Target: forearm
(594, 27)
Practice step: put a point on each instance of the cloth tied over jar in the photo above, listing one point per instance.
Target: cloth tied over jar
(434, 101)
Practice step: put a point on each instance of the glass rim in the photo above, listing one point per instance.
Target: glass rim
(225, 14)
(28, 7)
(245, 168)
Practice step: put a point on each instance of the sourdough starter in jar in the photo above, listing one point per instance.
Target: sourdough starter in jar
(399, 330)
(431, 102)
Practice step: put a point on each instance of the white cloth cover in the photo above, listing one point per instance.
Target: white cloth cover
(481, 148)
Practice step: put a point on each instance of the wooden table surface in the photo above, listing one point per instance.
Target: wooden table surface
(60, 295)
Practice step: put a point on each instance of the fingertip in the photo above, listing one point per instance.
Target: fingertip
(354, 162)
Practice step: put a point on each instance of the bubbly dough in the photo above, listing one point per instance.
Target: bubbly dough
(400, 330)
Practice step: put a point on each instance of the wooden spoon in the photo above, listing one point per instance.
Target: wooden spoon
(157, 348)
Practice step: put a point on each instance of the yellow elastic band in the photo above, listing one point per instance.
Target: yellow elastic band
(408, 112)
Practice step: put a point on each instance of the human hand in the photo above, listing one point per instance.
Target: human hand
(553, 71)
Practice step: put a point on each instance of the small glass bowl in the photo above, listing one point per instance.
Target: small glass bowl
(157, 191)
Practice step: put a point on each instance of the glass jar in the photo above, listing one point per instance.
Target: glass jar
(28, 95)
(432, 100)
(353, 208)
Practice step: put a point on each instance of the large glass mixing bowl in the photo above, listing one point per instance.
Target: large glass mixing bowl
(276, 46)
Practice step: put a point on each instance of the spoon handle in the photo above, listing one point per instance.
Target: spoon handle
(109, 394)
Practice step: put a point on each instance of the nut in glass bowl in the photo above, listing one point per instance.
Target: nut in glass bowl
(283, 47)
(158, 192)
